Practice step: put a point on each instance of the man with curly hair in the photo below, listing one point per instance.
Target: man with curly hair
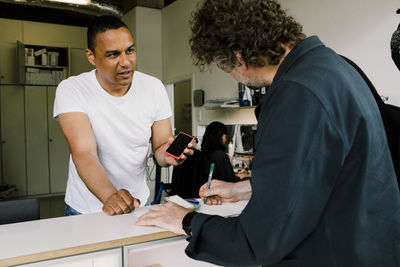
(323, 190)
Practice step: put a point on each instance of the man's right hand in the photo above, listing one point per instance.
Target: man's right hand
(120, 202)
(221, 191)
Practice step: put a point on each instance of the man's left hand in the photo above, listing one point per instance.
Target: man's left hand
(167, 216)
(187, 152)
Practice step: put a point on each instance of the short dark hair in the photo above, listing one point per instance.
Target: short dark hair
(102, 24)
(255, 29)
(212, 138)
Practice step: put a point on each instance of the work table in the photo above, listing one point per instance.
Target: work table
(73, 235)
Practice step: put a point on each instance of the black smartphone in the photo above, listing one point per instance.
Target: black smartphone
(177, 147)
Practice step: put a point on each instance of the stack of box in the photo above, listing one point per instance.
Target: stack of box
(44, 77)
(53, 58)
(42, 53)
(29, 57)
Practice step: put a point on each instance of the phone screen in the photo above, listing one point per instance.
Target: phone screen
(179, 144)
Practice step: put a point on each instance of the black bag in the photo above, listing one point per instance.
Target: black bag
(391, 120)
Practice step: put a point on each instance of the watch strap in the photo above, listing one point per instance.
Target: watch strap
(186, 223)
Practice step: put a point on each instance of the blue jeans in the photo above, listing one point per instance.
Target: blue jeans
(70, 211)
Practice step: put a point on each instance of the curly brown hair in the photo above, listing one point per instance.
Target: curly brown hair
(257, 30)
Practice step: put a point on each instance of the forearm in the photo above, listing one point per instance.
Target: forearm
(159, 154)
(242, 190)
(93, 175)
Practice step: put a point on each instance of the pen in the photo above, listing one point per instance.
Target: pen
(209, 179)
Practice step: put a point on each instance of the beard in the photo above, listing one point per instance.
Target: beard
(252, 83)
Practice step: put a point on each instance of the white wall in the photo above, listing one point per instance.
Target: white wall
(177, 64)
(145, 24)
(175, 33)
(358, 29)
(177, 61)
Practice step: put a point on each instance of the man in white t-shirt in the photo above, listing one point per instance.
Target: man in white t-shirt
(108, 116)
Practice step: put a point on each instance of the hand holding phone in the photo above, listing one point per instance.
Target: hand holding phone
(177, 147)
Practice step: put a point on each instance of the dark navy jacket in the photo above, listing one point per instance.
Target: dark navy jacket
(324, 191)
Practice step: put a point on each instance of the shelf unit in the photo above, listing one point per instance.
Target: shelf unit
(42, 65)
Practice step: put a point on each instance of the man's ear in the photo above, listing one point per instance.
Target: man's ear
(90, 56)
(240, 59)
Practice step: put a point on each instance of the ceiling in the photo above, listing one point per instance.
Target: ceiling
(71, 14)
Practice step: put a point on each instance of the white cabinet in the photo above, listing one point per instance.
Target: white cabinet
(13, 136)
(34, 152)
(37, 149)
(47, 153)
(8, 68)
(166, 253)
(10, 31)
(58, 149)
(107, 258)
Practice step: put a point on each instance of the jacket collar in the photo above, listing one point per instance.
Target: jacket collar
(298, 51)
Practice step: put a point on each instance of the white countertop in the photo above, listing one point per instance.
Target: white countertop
(71, 235)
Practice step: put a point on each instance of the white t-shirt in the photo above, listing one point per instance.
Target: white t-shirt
(122, 127)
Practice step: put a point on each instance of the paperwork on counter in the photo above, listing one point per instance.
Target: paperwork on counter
(226, 209)
(180, 201)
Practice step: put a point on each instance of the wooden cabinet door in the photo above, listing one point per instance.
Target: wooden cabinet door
(37, 149)
(58, 149)
(13, 137)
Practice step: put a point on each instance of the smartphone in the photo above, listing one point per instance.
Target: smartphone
(177, 147)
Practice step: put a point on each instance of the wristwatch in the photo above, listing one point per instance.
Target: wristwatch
(186, 221)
